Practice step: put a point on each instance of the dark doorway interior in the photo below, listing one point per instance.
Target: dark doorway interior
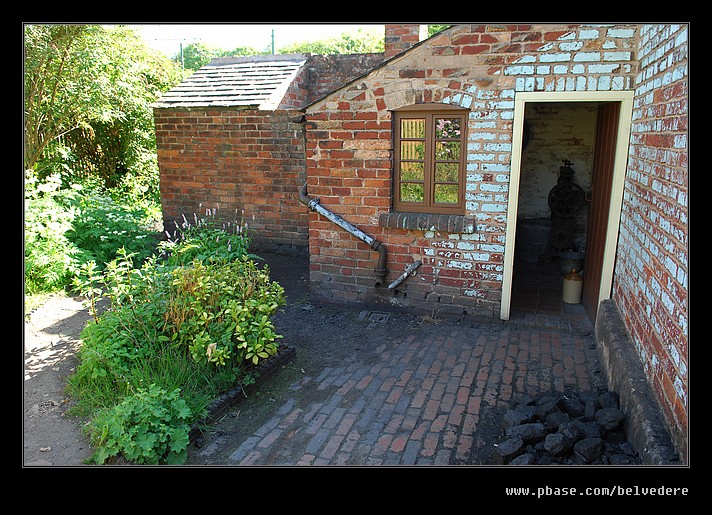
(537, 288)
(556, 134)
(537, 291)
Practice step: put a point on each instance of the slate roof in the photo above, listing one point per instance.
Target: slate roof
(254, 81)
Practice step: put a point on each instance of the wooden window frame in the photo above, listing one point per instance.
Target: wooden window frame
(429, 113)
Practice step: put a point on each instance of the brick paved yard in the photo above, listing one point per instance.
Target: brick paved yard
(420, 395)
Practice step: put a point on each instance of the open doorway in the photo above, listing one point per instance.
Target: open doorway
(552, 210)
(583, 136)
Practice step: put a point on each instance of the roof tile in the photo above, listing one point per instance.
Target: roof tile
(256, 81)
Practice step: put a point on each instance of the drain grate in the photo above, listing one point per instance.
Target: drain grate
(378, 316)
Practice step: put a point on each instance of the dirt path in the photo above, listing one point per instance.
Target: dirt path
(51, 339)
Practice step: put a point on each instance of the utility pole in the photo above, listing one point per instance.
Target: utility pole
(272, 41)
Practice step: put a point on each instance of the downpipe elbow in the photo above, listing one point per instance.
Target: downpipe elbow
(380, 271)
(304, 197)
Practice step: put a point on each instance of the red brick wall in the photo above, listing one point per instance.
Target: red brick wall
(481, 68)
(325, 73)
(246, 164)
(297, 93)
(400, 37)
(651, 275)
(349, 146)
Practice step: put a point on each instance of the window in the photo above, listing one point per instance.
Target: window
(429, 161)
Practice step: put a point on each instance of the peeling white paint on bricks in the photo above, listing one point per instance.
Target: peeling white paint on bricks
(555, 58)
(460, 265)
(571, 46)
(589, 34)
(525, 59)
(620, 33)
(481, 197)
(680, 390)
(493, 208)
(616, 56)
(582, 57)
(667, 301)
(482, 136)
(493, 248)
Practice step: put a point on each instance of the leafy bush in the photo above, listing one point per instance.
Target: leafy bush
(198, 326)
(48, 253)
(149, 427)
(102, 226)
(220, 312)
(66, 226)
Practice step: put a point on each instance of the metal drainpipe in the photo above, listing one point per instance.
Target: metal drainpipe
(381, 271)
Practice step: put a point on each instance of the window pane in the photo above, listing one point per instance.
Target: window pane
(412, 171)
(447, 150)
(447, 128)
(446, 193)
(446, 172)
(412, 128)
(412, 150)
(411, 192)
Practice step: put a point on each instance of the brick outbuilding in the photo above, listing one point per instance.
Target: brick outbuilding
(410, 181)
(230, 139)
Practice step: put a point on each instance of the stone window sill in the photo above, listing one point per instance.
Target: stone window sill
(427, 222)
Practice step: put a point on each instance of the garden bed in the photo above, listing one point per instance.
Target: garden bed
(261, 371)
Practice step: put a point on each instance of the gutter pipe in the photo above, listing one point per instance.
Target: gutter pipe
(381, 271)
(410, 270)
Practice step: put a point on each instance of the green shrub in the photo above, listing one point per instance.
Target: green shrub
(221, 312)
(199, 326)
(102, 226)
(66, 227)
(47, 251)
(150, 427)
(205, 240)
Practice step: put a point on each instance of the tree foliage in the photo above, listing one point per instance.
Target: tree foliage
(435, 28)
(196, 55)
(363, 41)
(87, 96)
(359, 42)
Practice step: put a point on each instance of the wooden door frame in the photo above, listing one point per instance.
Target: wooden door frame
(614, 212)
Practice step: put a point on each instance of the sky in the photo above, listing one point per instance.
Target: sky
(168, 37)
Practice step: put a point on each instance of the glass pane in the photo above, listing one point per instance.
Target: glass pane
(412, 128)
(411, 192)
(412, 171)
(447, 150)
(446, 193)
(447, 128)
(412, 150)
(446, 172)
